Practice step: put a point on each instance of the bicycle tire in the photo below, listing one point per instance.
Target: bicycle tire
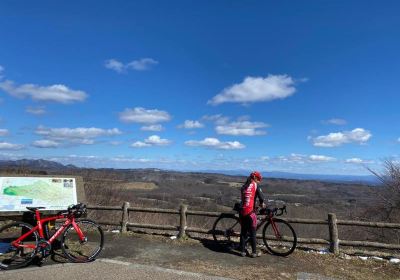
(87, 251)
(10, 257)
(226, 231)
(287, 240)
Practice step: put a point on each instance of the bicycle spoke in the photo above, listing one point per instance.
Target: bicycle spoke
(226, 231)
(279, 237)
(85, 250)
(13, 257)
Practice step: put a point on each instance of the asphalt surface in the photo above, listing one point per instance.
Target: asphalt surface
(103, 269)
(144, 256)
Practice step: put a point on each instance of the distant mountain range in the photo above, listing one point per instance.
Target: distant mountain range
(35, 164)
(370, 179)
(46, 165)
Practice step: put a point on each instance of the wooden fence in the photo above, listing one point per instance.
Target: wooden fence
(332, 222)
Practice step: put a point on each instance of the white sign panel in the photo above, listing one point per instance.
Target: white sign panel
(17, 193)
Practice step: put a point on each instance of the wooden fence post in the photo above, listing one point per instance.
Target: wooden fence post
(125, 217)
(333, 234)
(182, 224)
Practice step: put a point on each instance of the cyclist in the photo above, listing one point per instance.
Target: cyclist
(248, 219)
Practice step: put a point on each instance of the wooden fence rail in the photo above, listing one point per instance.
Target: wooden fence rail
(182, 228)
(332, 224)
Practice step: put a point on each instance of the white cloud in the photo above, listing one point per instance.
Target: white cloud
(189, 124)
(36, 110)
(83, 141)
(245, 128)
(141, 64)
(154, 127)
(115, 65)
(297, 158)
(76, 133)
(335, 121)
(54, 93)
(123, 159)
(302, 159)
(140, 144)
(142, 115)
(153, 140)
(242, 126)
(358, 135)
(1, 72)
(3, 132)
(354, 160)
(358, 161)
(156, 140)
(321, 158)
(218, 119)
(398, 140)
(10, 146)
(216, 144)
(45, 144)
(79, 135)
(257, 89)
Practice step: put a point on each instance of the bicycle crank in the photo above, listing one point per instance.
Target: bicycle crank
(44, 247)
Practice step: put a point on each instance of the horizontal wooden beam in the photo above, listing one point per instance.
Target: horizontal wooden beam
(161, 227)
(153, 210)
(369, 244)
(108, 223)
(91, 207)
(305, 221)
(368, 224)
(203, 213)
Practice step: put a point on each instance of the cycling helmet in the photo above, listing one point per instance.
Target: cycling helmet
(256, 175)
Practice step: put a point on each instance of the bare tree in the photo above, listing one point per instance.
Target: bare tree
(388, 196)
(387, 203)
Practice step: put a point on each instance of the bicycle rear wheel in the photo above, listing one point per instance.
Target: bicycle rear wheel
(12, 257)
(279, 237)
(83, 251)
(226, 231)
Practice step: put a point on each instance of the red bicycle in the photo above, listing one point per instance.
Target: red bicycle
(81, 239)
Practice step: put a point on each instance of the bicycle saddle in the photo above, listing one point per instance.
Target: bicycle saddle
(33, 209)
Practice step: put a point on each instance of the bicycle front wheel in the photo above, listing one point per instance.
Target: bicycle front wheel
(14, 257)
(86, 250)
(226, 231)
(279, 237)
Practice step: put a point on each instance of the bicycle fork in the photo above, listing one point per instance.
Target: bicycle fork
(82, 237)
(276, 230)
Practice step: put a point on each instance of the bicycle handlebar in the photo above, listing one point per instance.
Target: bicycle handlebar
(274, 212)
(279, 211)
(75, 210)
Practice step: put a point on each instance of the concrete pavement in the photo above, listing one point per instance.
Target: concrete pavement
(103, 269)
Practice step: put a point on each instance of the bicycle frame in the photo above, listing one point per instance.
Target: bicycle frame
(39, 229)
(267, 218)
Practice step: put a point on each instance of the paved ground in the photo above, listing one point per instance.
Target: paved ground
(104, 269)
(140, 255)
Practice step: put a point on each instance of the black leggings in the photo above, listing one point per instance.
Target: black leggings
(248, 228)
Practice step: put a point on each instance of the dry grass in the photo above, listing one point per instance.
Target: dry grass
(136, 186)
(234, 184)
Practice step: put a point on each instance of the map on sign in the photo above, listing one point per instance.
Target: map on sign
(17, 193)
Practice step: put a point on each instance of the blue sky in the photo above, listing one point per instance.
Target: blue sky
(309, 87)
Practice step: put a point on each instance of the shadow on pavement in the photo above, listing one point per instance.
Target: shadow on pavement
(215, 247)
